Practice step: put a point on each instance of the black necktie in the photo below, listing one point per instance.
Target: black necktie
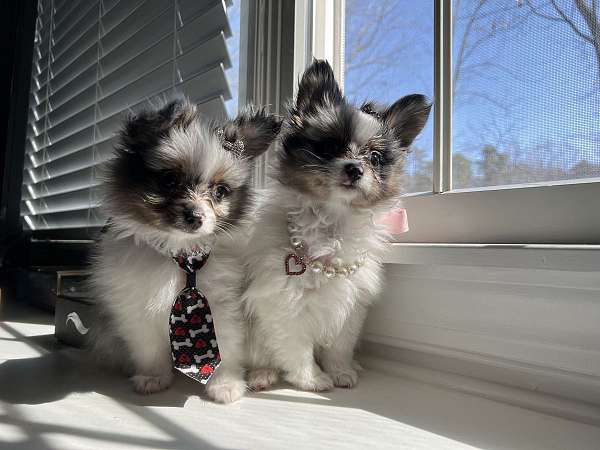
(192, 330)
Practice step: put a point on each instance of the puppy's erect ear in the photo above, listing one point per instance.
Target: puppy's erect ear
(407, 117)
(317, 88)
(255, 128)
(145, 129)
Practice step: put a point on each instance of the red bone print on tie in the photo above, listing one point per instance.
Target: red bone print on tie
(196, 319)
(184, 358)
(180, 331)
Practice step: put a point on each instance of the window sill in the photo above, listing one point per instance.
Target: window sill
(550, 214)
(579, 258)
(394, 406)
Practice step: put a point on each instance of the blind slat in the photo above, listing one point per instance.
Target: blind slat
(84, 218)
(205, 55)
(81, 179)
(154, 18)
(105, 129)
(62, 50)
(75, 22)
(87, 157)
(73, 39)
(120, 32)
(63, 13)
(214, 107)
(117, 29)
(76, 200)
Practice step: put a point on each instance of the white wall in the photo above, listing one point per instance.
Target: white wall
(532, 328)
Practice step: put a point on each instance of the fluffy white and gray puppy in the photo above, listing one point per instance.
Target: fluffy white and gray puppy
(337, 166)
(174, 183)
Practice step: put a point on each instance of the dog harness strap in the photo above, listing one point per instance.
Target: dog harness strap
(193, 339)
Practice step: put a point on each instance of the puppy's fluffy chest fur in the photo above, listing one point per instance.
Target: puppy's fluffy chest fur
(321, 305)
(151, 280)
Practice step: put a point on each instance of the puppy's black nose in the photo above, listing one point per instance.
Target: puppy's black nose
(354, 171)
(193, 218)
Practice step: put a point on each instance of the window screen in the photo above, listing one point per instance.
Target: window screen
(526, 91)
(96, 61)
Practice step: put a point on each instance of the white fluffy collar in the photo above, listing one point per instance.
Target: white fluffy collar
(331, 229)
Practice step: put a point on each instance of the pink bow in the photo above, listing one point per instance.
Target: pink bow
(396, 221)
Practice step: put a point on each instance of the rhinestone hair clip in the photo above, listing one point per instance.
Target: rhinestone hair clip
(236, 147)
(368, 109)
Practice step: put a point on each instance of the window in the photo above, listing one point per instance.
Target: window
(94, 61)
(526, 92)
(512, 150)
(514, 83)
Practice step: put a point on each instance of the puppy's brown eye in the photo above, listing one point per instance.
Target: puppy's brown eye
(169, 179)
(221, 191)
(375, 159)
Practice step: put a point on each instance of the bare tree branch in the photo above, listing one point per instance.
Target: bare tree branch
(474, 36)
(460, 56)
(487, 97)
(536, 11)
(589, 13)
(375, 41)
(570, 22)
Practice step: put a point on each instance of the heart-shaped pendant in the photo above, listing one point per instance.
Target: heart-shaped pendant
(294, 265)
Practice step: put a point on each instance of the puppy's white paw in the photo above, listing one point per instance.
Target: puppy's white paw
(345, 377)
(226, 391)
(260, 379)
(317, 383)
(146, 384)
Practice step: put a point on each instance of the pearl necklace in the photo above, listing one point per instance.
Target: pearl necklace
(297, 262)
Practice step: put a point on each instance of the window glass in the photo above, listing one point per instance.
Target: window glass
(526, 91)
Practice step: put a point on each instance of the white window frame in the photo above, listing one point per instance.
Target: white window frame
(555, 212)
(267, 52)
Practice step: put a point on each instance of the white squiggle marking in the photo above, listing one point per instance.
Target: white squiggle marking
(74, 317)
